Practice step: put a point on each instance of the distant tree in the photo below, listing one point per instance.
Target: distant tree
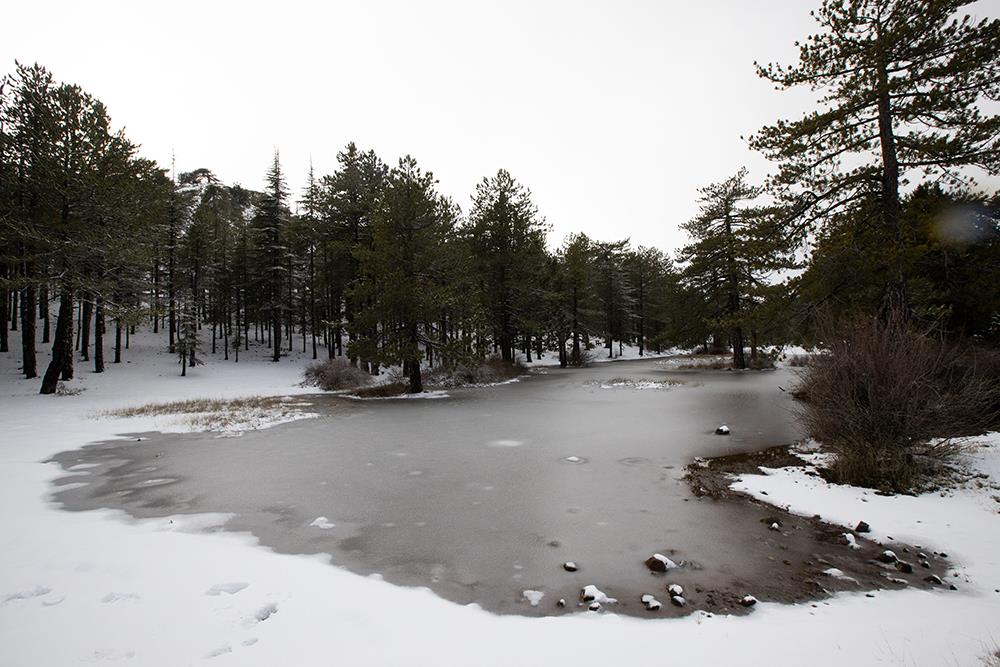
(902, 82)
(272, 215)
(506, 236)
(734, 248)
(575, 258)
(612, 291)
(401, 289)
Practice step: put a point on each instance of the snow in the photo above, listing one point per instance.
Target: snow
(533, 597)
(56, 567)
(322, 523)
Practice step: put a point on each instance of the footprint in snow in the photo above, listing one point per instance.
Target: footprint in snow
(262, 614)
(111, 654)
(231, 588)
(119, 597)
(35, 592)
(222, 650)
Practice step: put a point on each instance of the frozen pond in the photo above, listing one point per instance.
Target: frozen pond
(486, 493)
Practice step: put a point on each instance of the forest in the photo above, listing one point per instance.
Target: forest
(874, 204)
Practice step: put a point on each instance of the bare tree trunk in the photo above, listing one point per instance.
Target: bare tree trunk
(43, 306)
(88, 312)
(28, 364)
(99, 335)
(62, 347)
(118, 340)
(896, 292)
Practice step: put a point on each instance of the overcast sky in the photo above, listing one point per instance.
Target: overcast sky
(613, 113)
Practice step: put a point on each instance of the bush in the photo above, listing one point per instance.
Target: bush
(385, 390)
(798, 360)
(336, 374)
(891, 400)
(587, 357)
(490, 371)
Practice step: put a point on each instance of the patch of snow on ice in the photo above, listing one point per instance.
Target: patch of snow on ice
(533, 597)
(230, 588)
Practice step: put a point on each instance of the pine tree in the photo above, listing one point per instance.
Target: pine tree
(402, 267)
(734, 249)
(271, 218)
(902, 81)
(506, 236)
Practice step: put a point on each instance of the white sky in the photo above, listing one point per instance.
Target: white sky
(613, 113)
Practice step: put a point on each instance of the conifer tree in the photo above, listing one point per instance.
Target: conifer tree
(733, 250)
(401, 268)
(901, 84)
(507, 240)
(271, 217)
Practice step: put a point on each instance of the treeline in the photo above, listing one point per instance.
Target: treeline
(370, 262)
(873, 208)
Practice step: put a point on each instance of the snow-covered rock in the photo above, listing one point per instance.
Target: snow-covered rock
(591, 593)
(570, 566)
(660, 563)
(722, 430)
(651, 603)
(888, 556)
(675, 589)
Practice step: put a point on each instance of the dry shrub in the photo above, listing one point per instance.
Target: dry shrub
(761, 362)
(891, 400)
(385, 390)
(489, 371)
(200, 405)
(798, 360)
(336, 374)
(587, 357)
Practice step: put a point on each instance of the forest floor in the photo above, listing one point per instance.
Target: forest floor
(97, 586)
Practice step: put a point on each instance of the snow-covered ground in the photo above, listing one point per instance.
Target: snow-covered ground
(90, 587)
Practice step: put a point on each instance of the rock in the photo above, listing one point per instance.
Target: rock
(659, 563)
(934, 579)
(594, 606)
(651, 603)
(748, 601)
(904, 567)
(887, 556)
(852, 542)
(722, 430)
(862, 527)
(561, 602)
(774, 526)
(675, 589)
(677, 600)
(942, 554)
(925, 564)
(953, 587)
(922, 556)
(591, 593)
(570, 566)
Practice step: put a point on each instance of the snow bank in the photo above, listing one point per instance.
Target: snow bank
(57, 567)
